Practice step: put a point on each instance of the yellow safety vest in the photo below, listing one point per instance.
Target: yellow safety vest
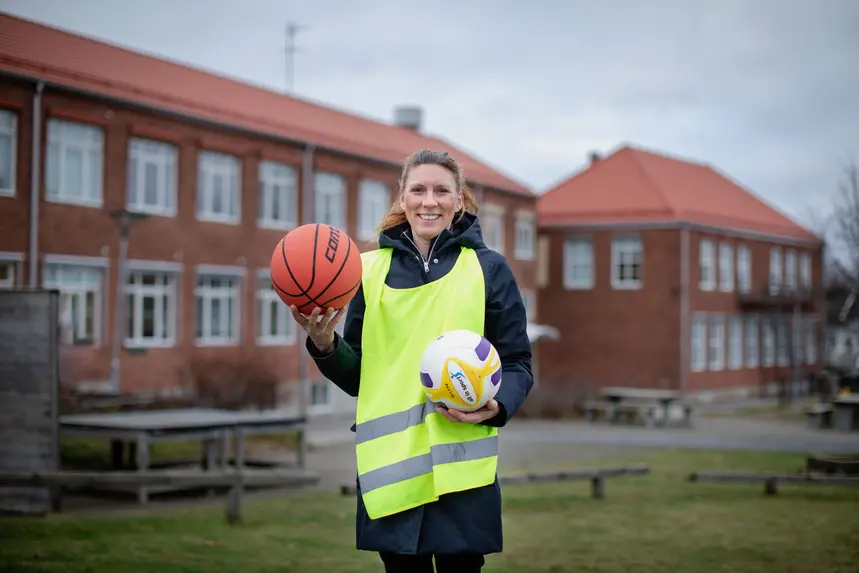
(408, 454)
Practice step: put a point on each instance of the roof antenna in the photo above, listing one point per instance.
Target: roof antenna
(292, 30)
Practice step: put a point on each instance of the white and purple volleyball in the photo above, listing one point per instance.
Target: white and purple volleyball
(461, 370)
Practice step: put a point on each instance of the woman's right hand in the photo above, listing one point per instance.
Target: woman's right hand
(320, 331)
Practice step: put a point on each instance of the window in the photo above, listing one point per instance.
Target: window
(726, 267)
(8, 152)
(529, 302)
(781, 340)
(752, 342)
(768, 331)
(274, 321)
(811, 340)
(7, 274)
(707, 263)
(797, 339)
(744, 268)
(699, 342)
(218, 184)
(319, 394)
(805, 270)
(492, 226)
(374, 200)
(218, 308)
(80, 300)
(626, 263)
(278, 196)
(717, 342)
(578, 263)
(74, 167)
(330, 204)
(735, 343)
(151, 308)
(790, 270)
(152, 177)
(524, 235)
(775, 269)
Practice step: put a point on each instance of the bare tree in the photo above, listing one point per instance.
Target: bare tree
(843, 228)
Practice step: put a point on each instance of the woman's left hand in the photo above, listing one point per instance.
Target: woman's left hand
(481, 415)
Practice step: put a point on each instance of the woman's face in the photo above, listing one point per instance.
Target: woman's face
(430, 199)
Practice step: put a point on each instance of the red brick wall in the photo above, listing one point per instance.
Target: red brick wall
(75, 230)
(613, 337)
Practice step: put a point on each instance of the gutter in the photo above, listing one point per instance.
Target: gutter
(685, 338)
(228, 127)
(35, 176)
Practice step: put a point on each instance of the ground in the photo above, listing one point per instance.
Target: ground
(660, 522)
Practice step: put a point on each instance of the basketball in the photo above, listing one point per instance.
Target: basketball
(461, 370)
(316, 265)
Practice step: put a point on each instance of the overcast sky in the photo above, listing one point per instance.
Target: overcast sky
(767, 91)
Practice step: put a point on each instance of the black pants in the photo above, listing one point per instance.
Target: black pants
(452, 563)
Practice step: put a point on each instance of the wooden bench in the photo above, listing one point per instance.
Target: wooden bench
(819, 416)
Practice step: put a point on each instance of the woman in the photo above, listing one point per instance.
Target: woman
(431, 273)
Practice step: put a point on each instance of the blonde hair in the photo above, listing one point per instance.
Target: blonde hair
(396, 216)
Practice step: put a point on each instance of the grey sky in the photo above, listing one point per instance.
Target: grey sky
(767, 91)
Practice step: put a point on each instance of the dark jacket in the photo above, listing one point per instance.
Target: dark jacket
(462, 521)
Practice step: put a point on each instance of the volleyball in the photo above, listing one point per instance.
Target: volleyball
(461, 370)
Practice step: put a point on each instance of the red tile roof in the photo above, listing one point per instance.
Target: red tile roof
(636, 186)
(55, 56)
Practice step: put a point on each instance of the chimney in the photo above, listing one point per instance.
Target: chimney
(409, 117)
(595, 156)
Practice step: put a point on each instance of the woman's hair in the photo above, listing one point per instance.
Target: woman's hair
(396, 216)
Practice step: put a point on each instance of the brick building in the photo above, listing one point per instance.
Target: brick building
(221, 170)
(659, 272)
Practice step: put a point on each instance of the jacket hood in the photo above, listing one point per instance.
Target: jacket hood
(465, 232)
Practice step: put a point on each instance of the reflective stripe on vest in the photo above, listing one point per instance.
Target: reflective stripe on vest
(407, 453)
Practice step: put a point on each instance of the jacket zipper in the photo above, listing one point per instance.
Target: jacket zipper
(421, 258)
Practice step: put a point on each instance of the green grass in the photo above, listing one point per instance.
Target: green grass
(656, 523)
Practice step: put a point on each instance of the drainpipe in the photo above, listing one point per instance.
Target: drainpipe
(35, 175)
(684, 310)
(307, 216)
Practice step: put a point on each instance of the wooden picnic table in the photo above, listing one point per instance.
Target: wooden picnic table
(213, 427)
(621, 395)
(845, 412)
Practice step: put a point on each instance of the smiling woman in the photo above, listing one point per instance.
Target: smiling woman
(427, 484)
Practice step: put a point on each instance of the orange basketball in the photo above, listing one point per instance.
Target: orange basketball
(316, 265)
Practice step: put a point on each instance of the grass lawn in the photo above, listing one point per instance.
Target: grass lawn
(657, 523)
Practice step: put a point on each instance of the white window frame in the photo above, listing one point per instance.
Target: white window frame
(529, 300)
(735, 343)
(9, 129)
(623, 249)
(492, 226)
(744, 269)
(716, 343)
(578, 256)
(277, 181)
(161, 156)
(213, 165)
(776, 273)
(230, 297)
(707, 265)
(374, 201)
(15, 263)
(329, 204)
(751, 345)
(768, 337)
(811, 340)
(268, 305)
(76, 278)
(805, 270)
(524, 235)
(64, 137)
(790, 270)
(699, 335)
(726, 267)
(165, 295)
